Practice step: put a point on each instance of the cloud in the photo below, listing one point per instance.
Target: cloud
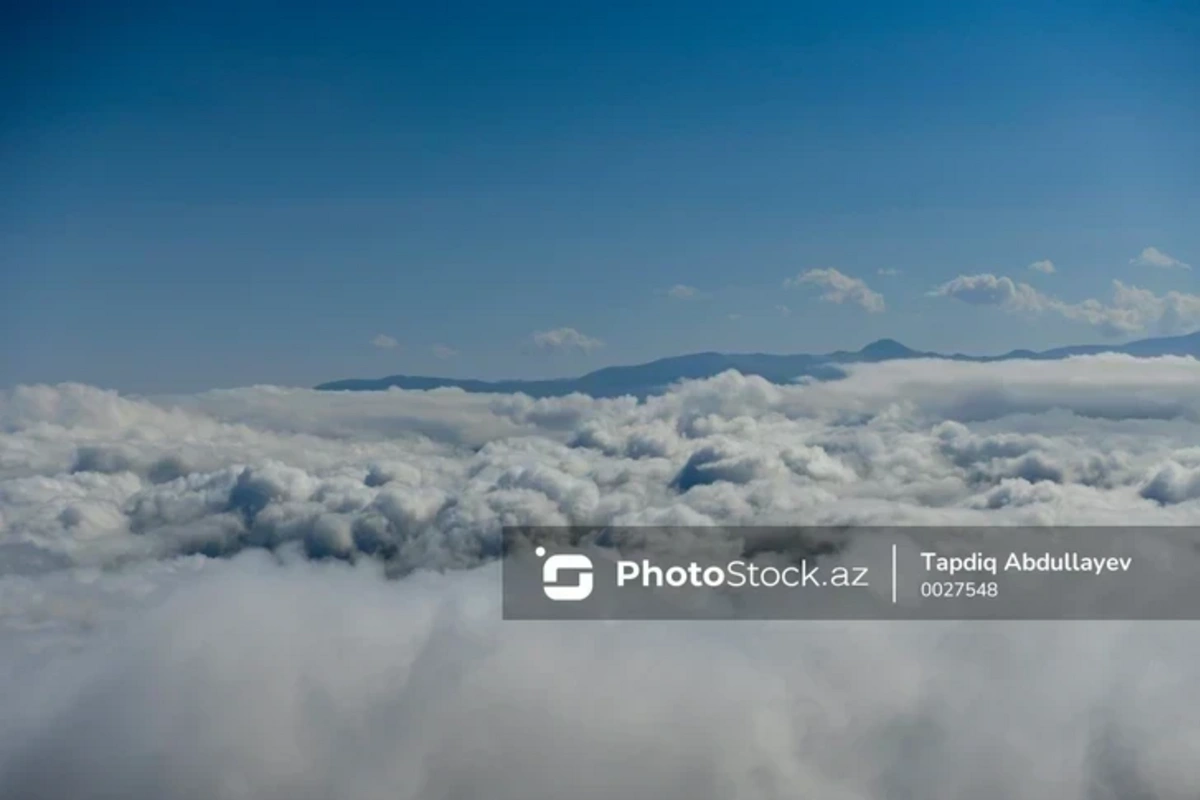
(1153, 257)
(565, 339)
(992, 290)
(1045, 266)
(681, 292)
(1131, 310)
(252, 680)
(194, 592)
(784, 310)
(444, 351)
(887, 272)
(840, 288)
(90, 474)
(384, 342)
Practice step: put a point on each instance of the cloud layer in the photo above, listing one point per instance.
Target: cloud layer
(170, 625)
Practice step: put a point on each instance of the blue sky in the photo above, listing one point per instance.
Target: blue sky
(224, 194)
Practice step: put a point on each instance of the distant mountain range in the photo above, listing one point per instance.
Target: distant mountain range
(655, 377)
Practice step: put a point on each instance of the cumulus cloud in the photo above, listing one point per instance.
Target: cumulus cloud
(1045, 266)
(840, 288)
(565, 339)
(1131, 310)
(194, 593)
(444, 351)
(1153, 257)
(992, 290)
(681, 292)
(385, 342)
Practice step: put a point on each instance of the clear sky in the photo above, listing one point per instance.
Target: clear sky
(229, 194)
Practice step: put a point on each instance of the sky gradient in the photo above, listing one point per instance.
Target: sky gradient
(223, 196)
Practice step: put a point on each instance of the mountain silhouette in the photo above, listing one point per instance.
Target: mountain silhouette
(654, 377)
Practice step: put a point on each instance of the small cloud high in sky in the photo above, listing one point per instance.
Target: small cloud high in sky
(565, 339)
(1045, 266)
(1153, 257)
(682, 292)
(385, 342)
(992, 290)
(839, 288)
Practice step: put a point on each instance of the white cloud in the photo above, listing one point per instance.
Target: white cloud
(681, 292)
(150, 671)
(565, 339)
(1153, 257)
(384, 342)
(840, 288)
(993, 290)
(82, 469)
(444, 351)
(1045, 266)
(1131, 310)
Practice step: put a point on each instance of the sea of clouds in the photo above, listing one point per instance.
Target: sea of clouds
(283, 593)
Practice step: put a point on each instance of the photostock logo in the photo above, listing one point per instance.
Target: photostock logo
(569, 562)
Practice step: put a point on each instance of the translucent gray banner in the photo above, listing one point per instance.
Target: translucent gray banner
(815, 573)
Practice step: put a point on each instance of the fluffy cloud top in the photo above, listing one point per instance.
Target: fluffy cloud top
(681, 292)
(565, 339)
(193, 592)
(1132, 309)
(993, 290)
(1153, 257)
(1045, 266)
(840, 288)
(89, 475)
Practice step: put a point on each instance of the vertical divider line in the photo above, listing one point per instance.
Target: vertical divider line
(893, 574)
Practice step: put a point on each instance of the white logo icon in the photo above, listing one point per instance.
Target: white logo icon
(567, 562)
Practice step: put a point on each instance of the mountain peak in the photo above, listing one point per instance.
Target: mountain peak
(886, 348)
